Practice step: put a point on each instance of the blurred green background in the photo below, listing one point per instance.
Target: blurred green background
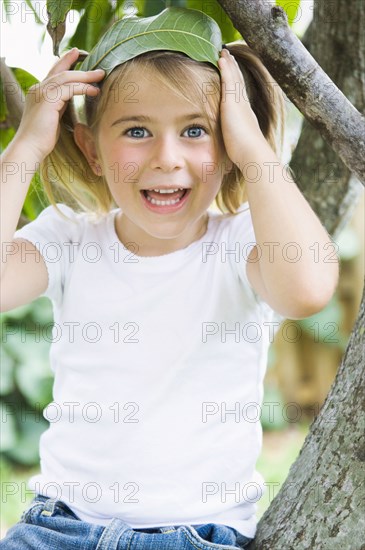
(25, 375)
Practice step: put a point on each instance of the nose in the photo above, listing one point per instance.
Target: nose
(167, 154)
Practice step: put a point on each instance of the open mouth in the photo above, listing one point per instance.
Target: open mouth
(167, 198)
(164, 202)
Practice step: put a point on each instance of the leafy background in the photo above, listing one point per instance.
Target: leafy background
(25, 375)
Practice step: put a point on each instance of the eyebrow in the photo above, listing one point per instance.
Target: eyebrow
(144, 118)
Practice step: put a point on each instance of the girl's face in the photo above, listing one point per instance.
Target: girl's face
(151, 138)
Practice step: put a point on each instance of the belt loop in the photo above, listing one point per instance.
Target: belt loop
(169, 529)
(49, 506)
(112, 534)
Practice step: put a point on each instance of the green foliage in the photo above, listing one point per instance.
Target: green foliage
(216, 12)
(291, 8)
(348, 242)
(36, 198)
(272, 417)
(3, 107)
(152, 7)
(325, 326)
(7, 132)
(57, 11)
(7, 4)
(25, 79)
(6, 135)
(148, 8)
(26, 379)
(97, 16)
(124, 41)
(13, 491)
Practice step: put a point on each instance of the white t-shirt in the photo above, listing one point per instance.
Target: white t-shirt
(158, 375)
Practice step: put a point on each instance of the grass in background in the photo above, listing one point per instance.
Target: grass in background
(14, 497)
(279, 451)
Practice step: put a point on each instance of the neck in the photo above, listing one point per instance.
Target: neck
(143, 244)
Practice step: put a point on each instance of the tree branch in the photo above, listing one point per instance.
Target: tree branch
(336, 41)
(14, 95)
(265, 29)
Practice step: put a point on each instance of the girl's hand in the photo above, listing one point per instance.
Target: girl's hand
(46, 102)
(240, 128)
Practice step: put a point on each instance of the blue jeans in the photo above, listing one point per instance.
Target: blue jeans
(49, 524)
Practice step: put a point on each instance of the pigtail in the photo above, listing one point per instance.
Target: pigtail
(265, 95)
(266, 99)
(67, 176)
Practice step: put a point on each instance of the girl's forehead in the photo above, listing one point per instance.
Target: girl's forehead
(144, 78)
(145, 89)
(151, 110)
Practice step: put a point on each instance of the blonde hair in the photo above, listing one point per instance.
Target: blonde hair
(66, 174)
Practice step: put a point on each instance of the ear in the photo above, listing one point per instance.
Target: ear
(85, 141)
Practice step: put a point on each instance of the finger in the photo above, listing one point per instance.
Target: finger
(69, 77)
(227, 64)
(65, 62)
(58, 95)
(232, 64)
(78, 89)
(82, 56)
(223, 60)
(232, 74)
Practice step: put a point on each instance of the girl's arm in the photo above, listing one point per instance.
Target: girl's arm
(22, 275)
(297, 270)
(294, 266)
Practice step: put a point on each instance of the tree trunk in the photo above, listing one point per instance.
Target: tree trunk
(337, 42)
(320, 505)
(14, 95)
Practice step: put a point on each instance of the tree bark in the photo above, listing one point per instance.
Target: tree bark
(13, 93)
(321, 503)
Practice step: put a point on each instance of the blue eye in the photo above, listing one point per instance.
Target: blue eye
(138, 129)
(196, 129)
(137, 132)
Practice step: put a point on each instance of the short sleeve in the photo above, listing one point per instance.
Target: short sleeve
(242, 240)
(242, 236)
(55, 238)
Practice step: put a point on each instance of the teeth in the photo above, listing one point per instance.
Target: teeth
(167, 190)
(162, 203)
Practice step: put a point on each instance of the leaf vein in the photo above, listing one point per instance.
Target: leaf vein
(143, 34)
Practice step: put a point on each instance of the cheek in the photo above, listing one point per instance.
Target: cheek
(121, 165)
(204, 162)
(116, 154)
(209, 168)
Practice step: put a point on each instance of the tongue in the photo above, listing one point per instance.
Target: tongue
(165, 196)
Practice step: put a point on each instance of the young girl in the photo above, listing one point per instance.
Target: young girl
(163, 308)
